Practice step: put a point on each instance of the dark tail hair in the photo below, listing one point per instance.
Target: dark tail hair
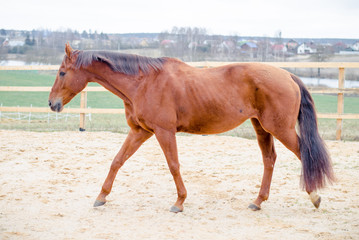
(316, 164)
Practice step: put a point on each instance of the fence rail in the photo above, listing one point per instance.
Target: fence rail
(339, 115)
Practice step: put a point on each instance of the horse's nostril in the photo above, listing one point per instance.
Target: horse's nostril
(50, 103)
(57, 107)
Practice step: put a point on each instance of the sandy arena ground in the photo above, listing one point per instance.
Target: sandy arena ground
(49, 181)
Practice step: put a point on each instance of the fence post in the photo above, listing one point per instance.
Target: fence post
(83, 104)
(340, 103)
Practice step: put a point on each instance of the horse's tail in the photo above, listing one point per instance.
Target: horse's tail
(316, 164)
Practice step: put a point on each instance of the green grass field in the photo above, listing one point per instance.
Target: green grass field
(117, 123)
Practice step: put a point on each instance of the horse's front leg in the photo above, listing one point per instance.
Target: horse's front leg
(167, 141)
(134, 140)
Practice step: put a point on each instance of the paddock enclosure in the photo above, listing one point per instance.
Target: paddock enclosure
(340, 114)
(49, 181)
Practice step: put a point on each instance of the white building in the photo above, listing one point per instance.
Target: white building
(306, 48)
(355, 46)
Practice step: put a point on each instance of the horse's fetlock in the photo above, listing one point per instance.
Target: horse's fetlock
(105, 191)
(264, 197)
(182, 195)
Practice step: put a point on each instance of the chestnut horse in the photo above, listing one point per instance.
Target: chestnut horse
(163, 96)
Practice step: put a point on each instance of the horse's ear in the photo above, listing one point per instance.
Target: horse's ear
(68, 50)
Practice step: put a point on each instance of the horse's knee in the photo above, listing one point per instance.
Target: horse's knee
(174, 168)
(116, 164)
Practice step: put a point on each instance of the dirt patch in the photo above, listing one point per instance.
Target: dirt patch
(49, 182)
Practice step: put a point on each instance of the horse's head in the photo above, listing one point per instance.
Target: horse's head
(69, 81)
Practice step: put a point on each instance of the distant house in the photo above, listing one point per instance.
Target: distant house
(167, 43)
(351, 50)
(227, 45)
(250, 48)
(278, 49)
(88, 43)
(5, 43)
(339, 46)
(210, 42)
(292, 46)
(192, 45)
(13, 43)
(355, 46)
(76, 43)
(307, 48)
(144, 43)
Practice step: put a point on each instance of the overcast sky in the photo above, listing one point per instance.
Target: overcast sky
(294, 18)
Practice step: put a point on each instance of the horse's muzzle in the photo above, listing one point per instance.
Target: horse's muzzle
(56, 107)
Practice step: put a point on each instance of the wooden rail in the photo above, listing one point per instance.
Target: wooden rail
(83, 104)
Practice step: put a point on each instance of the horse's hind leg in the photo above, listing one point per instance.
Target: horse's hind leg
(288, 136)
(266, 144)
(134, 140)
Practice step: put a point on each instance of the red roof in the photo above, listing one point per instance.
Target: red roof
(278, 47)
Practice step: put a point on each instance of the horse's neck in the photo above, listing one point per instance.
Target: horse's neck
(124, 86)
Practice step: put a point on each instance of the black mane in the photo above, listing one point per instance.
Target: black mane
(129, 64)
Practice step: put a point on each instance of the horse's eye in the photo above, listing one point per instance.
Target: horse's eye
(62, 74)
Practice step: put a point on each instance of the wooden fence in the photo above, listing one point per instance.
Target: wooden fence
(339, 115)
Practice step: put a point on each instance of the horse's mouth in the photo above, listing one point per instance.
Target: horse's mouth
(56, 107)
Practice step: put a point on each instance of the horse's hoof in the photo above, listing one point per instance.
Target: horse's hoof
(175, 209)
(315, 198)
(317, 203)
(98, 203)
(254, 207)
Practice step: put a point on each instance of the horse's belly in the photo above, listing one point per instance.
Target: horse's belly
(213, 108)
(208, 125)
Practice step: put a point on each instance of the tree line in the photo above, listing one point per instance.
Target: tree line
(186, 43)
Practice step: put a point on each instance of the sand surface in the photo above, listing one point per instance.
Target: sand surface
(49, 181)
